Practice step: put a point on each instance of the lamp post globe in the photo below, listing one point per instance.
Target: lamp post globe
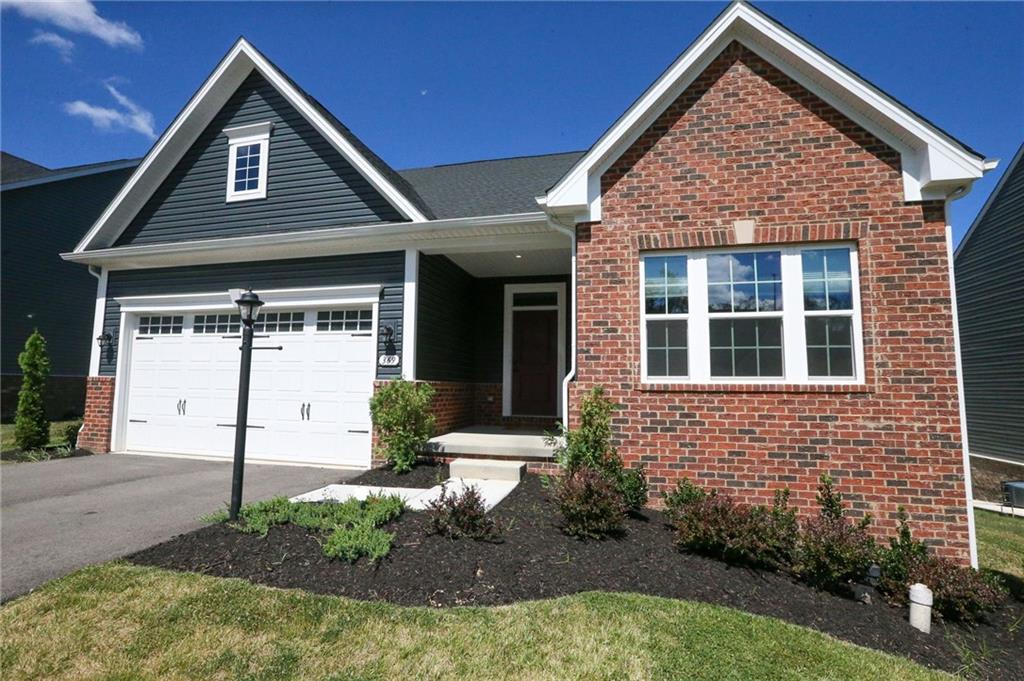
(249, 305)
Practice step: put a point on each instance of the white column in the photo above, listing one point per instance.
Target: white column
(409, 305)
(97, 322)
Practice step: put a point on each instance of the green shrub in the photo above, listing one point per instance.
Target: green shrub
(589, 446)
(404, 423)
(832, 551)
(682, 497)
(632, 484)
(31, 427)
(590, 505)
(363, 539)
(69, 433)
(461, 515)
(716, 525)
(959, 593)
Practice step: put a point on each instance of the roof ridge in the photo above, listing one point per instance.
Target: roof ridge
(493, 160)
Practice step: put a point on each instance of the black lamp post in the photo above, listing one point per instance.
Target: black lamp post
(249, 305)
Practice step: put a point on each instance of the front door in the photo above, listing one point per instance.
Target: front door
(535, 362)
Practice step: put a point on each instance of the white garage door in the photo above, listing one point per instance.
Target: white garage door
(308, 402)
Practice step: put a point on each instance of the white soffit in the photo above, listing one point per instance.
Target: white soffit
(934, 164)
(515, 262)
(168, 150)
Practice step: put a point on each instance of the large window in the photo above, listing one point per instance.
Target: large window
(746, 315)
(248, 147)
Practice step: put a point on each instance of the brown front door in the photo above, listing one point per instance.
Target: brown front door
(534, 362)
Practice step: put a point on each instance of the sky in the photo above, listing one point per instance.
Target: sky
(433, 83)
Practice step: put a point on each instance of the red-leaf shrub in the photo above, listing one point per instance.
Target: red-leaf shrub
(590, 504)
(716, 525)
(832, 551)
(461, 515)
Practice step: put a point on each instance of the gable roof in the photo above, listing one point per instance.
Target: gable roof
(491, 187)
(1010, 172)
(935, 164)
(69, 172)
(15, 168)
(232, 70)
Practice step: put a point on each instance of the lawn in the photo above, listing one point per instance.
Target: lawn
(119, 621)
(1000, 543)
(56, 434)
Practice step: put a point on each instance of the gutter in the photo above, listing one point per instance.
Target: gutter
(571, 374)
(415, 230)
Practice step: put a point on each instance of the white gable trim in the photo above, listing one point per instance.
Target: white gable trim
(934, 165)
(240, 61)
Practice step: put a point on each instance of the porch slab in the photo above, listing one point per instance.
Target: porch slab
(492, 441)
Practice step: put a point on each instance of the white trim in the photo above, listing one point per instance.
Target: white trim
(934, 163)
(272, 298)
(995, 457)
(506, 351)
(525, 231)
(410, 304)
(793, 314)
(245, 135)
(961, 405)
(125, 333)
(97, 322)
(1002, 509)
(193, 119)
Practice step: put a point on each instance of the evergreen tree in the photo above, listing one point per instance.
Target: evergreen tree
(31, 428)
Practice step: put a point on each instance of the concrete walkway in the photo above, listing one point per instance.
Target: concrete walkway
(58, 516)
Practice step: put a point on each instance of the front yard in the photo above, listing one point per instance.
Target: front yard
(121, 621)
(57, 447)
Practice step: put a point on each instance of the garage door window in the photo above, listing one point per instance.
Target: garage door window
(344, 320)
(280, 322)
(216, 323)
(152, 326)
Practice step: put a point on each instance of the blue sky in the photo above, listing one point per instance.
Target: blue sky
(431, 83)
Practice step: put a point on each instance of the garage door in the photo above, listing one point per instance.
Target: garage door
(308, 402)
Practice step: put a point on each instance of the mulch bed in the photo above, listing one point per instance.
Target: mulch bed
(536, 560)
(46, 454)
(987, 477)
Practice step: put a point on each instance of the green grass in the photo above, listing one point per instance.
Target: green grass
(56, 434)
(1000, 543)
(119, 621)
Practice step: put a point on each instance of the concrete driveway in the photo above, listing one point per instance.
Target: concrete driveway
(58, 516)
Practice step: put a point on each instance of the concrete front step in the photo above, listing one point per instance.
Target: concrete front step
(487, 469)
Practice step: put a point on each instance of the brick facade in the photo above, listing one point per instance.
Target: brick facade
(746, 142)
(99, 414)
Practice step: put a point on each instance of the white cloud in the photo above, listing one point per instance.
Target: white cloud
(62, 45)
(77, 16)
(130, 116)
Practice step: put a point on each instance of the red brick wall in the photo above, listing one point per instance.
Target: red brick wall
(745, 142)
(99, 414)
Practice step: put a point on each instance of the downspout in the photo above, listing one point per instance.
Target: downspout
(570, 375)
(969, 492)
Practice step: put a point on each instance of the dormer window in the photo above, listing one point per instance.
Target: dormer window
(248, 148)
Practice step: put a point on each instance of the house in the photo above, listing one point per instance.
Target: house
(990, 301)
(44, 212)
(754, 260)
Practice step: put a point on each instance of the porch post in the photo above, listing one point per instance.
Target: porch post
(409, 305)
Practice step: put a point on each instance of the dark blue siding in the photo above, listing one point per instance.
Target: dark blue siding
(386, 269)
(990, 307)
(445, 321)
(310, 185)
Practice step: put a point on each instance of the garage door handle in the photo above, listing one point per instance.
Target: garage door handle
(308, 405)
(302, 412)
(179, 407)
(184, 404)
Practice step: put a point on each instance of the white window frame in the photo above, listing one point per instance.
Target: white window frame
(794, 347)
(244, 135)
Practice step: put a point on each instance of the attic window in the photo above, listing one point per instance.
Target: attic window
(248, 147)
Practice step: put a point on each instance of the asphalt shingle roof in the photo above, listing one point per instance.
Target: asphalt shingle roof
(15, 169)
(497, 187)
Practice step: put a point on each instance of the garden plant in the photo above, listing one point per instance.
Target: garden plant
(403, 421)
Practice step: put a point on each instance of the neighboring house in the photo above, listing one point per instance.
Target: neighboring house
(990, 301)
(43, 213)
(754, 260)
